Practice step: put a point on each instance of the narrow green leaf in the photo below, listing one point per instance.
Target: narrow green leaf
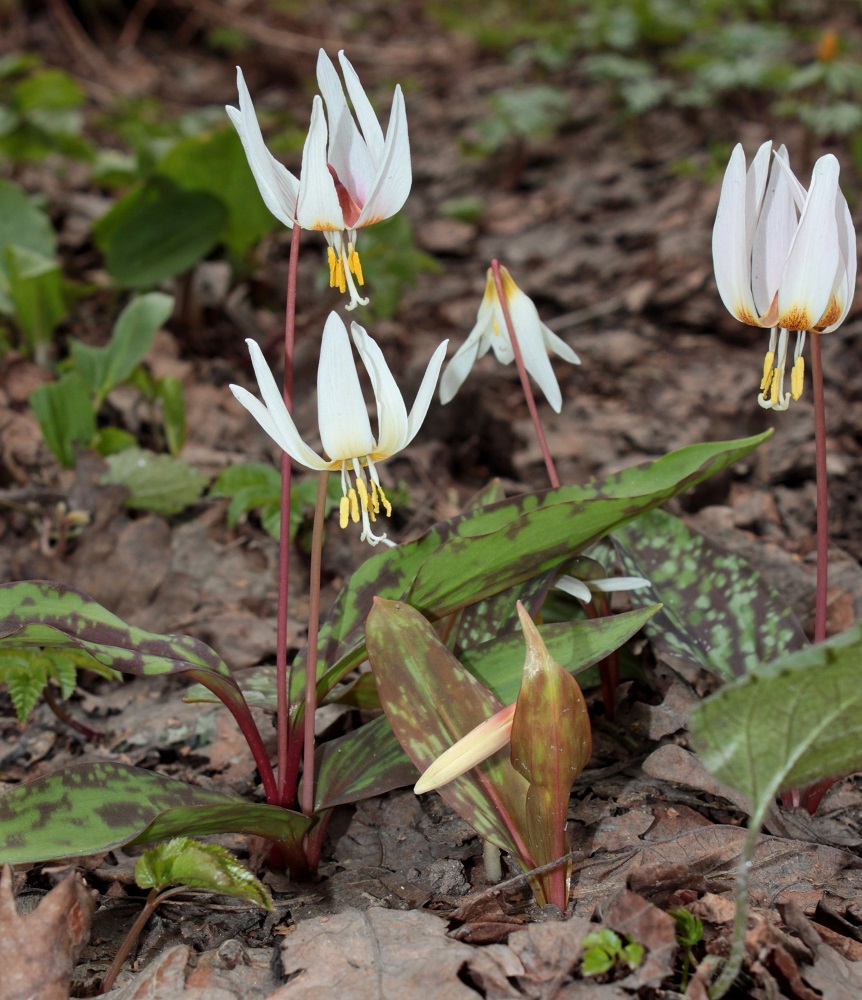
(170, 392)
(36, 291)
(254, 818)
(187, 862)
(66, 416)
(88, 808)
(160, 483)
(719, 613)
(24, 225)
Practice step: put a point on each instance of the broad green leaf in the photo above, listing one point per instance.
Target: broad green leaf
(160, 483)
(104, 368)
(359, 765)
(35, 286)
(431, 702)
(576, 645)
(88, 808)
(788, 723)
(164, 237)
(49, 88)
(719, 612)
(216, 163)
(186, 862)
(66, 416)
(24, 225)
(512, 541)
(255, 818)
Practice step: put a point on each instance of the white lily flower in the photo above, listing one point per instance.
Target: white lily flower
(345, 430)
(349, 178)
(584, 589)
(785, 258)
(534, 339)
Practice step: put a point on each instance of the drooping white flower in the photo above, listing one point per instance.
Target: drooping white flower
(584, 589)
(351, 175)
(345, 430)
(490, 331)
(785, 258)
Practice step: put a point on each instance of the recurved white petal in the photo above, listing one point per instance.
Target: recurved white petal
(558, 346)
(391, 411)
(459, 366)
(277, 185)
(808, 277)
(425, 393)
(345, 430)
(318, 206)
(755, 187)
(393, 175)
(730, 246)
(846, 285)
(525, 320)
(773, 235)
(365, 114)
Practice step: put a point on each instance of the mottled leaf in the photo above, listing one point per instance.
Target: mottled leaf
(186, 862)
(431, 701)
(88, 808)
(512, 541)
(261, 820)
(719, 613)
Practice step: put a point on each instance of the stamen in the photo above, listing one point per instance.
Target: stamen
(353, 263)
(797, 377)
(332, 258)
(375, 498)
(354, 505)
(386, 504)
(344, 512)
(767, 370)
(363, 492)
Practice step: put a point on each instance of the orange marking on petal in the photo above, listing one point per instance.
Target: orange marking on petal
(795, 318)
(745, 316)
(830, 316)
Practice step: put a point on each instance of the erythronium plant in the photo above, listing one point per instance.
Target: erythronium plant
(351, 175)
(516, 800)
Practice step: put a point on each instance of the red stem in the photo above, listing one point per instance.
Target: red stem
(822, 494)
(286, 795)
(525, 380)
(311, 647)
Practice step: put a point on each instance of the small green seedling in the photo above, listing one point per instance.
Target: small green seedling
(604, 951)
(689, 932)
(181, 865)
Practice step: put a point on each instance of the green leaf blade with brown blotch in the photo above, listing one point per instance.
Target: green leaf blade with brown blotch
(432, 702)
(88, 808)
(718, 612)
(520, 537)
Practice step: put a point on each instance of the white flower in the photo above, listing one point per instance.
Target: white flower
(354, 180)
(784, 257)
(534, 339)
(584, 589)
(345, 430)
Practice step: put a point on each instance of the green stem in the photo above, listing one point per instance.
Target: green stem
(525, 380)
(822, 494)
(286, 796)
(311, 647)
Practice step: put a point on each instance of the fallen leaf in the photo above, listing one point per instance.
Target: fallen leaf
(630, 914)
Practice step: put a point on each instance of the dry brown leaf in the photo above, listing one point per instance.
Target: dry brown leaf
(632, 915)
(38, 951)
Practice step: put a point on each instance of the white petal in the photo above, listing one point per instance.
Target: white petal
(528, 330)
(773, 235)
(277, 185)
(730, 253)
(318, 206)
(371, 130)
(273, 417)
(608, 585)
(809, 273)
(426, 391)
(391, 411)
(459, 366)
(393, 176)
(345, 429)
(577, 588)
(755, 187)
(798, 191)
(847, 272)
(558, 346)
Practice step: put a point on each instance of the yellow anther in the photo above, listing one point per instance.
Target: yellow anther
(797, 377)
(775, 380)
(375, 498)
(767, 370)
(363, 496)
(386, 504)
(354, 505)
(354, 265)
(344, 512)
(332, 257)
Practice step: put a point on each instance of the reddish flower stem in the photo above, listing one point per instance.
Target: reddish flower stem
(286, 795)
(525, 380)
(822, 494)
(311, 647)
